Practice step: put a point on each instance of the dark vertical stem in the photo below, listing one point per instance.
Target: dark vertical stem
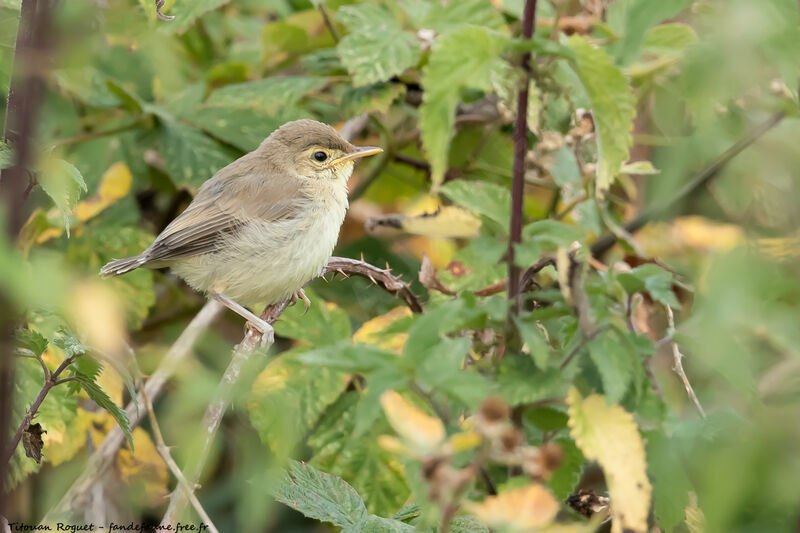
(520, 148)
(23, 101)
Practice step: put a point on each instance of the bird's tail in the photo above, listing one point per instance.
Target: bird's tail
(121, 266)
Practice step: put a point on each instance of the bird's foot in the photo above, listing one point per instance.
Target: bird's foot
(267, 332)
(301, 295)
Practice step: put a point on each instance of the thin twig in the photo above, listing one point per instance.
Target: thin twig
(677, 360)
(216, 410)
(163, 451)
(159, 14)
(328, 22)
(102, 458)
(92, 135)
(520, 149)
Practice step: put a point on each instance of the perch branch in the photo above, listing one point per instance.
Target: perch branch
(677, 360)
(216, 410)
(104, 455)
(379, 276)
(520, 149)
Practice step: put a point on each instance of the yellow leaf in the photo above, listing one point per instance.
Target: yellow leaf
(609, 435)
(464, 441)
(97, 313)
(525, 509)
(62, 446)
(371, 332)
(424, 433)
(115, 184)
(145, 466)
(694, 517)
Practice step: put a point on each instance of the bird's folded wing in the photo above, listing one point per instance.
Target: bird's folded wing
(222, 205)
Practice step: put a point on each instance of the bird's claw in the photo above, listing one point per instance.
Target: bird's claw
(301, 295)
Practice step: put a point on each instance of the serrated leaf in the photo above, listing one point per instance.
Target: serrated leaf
(376, 524)
(487, 199)
(376, 48)
(613, 107)
(187, 11)
(242, 127)
(466, 58)
(102, 399)
(357, 458)
(287, 399)
(519, 381)
(609, 435)
(63, 183)
(31, 340)
(69, 344)
(616, 364)
(444, 17)
(320, 496)
(564, 480)
(190, 157)
(268, 95)
(565, 169)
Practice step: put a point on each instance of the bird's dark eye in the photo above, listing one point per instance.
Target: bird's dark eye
(320, 156)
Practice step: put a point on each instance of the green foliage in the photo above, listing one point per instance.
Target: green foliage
(376, 47)
(465, 58)
(612, 107)
(401, 416)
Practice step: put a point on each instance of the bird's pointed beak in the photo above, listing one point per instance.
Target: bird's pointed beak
(360, 151)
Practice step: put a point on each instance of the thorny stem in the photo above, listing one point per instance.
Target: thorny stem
(677, 359)
(50, 380)
(520, 148)
(163, 451)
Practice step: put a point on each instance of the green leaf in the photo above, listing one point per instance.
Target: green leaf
(268, 95)
(653, 279)
(69, 344)
(466, 58)
(99, 397)
(566, 477)
(671, 485)
(324, 323)
(669, 38)
(320, 496)
(377, 48)
(615, 363)
(187, 11)
(371, 470)
(376, 524)
(6, 155)
(31, 340)
(612, 104)
(63, 183)
(519, 381)
(534, 339)
(565, 169)
(467, 524)
(487, 199)
(639, 16)
(287, 399)
(242, 127)
(444, 17)
(190, 157)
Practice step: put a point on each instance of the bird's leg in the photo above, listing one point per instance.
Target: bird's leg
(267, 332)
(301, 295)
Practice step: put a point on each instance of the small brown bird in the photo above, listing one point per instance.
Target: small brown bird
(264, 225)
